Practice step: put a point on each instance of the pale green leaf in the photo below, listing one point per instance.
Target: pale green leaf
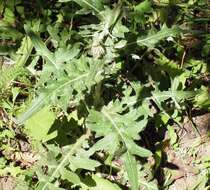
(42, 49)
(77, 76)
(153, 38)
(137, 150)
(38, 126)
(143, 7)
(176, 94)
(108, 143)
(103, 184)
(64, 160)
(70, 176)
(64, 55)
(83, 163)
(46, 96)
(167, 65)
(131, 169)
(37, 104)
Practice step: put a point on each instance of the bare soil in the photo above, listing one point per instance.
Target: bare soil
(194, 147)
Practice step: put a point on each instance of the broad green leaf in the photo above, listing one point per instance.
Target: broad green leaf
(46, 96)
(41, 48)
(78, 77)
(70, 176)
(131, 169)
(108, 143)
(202, 99)
(38, 126)
(176, 94)
(103, 184)
(64, 160)
(64, 55)
(37, 104)
(109, 121)
(153, 38)
(137, 150)
(82, 163)
(168, 65)
(143, 7)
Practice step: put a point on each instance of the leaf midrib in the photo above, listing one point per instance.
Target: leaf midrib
(42, 100)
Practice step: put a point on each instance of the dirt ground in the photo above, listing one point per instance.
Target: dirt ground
(189, 157)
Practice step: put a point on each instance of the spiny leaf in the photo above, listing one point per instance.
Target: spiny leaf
(130, 165)
(111, 122)
(153, 38)
(45, 97)
(72, 151)
(64, 55)
(108, 143)
(42, 49)
(124, 127)
(174, 94)
(137, 150)
(78, 77)
(171, 67)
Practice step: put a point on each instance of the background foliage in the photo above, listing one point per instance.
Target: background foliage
(82, 81)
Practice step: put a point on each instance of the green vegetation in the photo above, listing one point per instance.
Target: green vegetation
(83, 83)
